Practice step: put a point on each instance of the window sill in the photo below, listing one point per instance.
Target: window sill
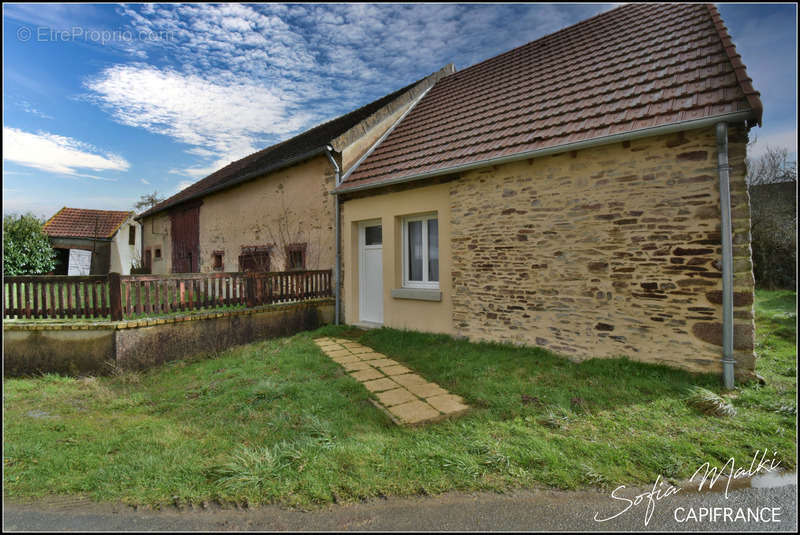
(420, 294)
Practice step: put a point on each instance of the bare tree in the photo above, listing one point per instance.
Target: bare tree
(772, 182)
(148, 200)
(771, 167)
(289, 232)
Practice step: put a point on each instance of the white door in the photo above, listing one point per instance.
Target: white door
(370, 271)
(80, 262)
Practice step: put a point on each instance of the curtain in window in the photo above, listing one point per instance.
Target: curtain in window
(433, 249)
(415, 250)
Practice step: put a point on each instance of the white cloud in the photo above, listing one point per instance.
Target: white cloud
(233, 78)
(27, 107)
(143, 181)
(784, 139)
(57, 154)
(218, 119)
(183, 185)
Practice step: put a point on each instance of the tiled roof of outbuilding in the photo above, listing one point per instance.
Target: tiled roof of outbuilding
(83, 223)
(635, 67)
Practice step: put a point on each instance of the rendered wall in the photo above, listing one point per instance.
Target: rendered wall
(292, 205)
(122, 253)
(390, 208)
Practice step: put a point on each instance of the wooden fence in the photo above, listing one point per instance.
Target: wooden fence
(126, 296)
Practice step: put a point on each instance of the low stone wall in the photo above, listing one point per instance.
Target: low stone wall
(87, 348)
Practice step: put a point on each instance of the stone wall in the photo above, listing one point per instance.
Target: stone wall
(774, 234)
(603, 252)
(97, 348)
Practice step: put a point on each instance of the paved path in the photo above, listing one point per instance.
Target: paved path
(518, 511)
(407, 398)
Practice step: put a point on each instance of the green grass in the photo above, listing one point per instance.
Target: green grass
(277, 421)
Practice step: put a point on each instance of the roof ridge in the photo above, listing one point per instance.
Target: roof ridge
(546, 36)
(629, 69)
(91, 223)
(53, 217)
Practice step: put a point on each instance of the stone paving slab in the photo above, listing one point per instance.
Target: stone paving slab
(380, 384)
(366, 375)
(371, 356)
(447, 403)
(396, 396)
(382, 363)
(426, 390)
(395, 370)
(410, 379)
(404, 396)
(338, 353)
(414, 412)
(355, 366)
(346, 359)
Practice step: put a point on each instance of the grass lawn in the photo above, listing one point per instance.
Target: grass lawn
(277, 421)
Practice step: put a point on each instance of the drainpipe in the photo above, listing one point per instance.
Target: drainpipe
(727, 255)
(336, 291)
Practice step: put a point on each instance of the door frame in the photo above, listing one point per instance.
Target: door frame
(362, 248)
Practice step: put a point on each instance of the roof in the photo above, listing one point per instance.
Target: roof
(633, 68)
(284, 154)
(83, 223)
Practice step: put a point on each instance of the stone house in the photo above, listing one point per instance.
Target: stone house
(571, 194)
(94, 242)
(272, 210)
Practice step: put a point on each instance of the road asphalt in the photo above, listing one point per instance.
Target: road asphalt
(769, 509)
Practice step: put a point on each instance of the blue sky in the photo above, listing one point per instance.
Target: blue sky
(102, 103)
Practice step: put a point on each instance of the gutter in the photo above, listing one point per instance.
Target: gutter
(727, 255)
(337, 226)
(337, 206)
(537, 153)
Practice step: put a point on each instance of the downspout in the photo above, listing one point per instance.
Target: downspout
(727, 255)
(337, 233)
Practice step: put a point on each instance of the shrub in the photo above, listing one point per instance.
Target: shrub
(26, 248)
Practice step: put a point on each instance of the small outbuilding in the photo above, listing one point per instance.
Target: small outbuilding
(94, 242)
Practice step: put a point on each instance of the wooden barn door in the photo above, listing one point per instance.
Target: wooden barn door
(186, 239)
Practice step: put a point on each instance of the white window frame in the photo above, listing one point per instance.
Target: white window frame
(424, 283)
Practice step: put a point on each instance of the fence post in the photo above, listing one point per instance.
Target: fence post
(115, 296)
(249, 290)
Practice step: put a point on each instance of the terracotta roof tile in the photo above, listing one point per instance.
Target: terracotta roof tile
(82, 223)
(637, 66)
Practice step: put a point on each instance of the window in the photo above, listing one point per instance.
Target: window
(373, 235)
(296, 256)
(131, 235)
(421, 251)
(158, 253)
(217, 264)
(254, 258)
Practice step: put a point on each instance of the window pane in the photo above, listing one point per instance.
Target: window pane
(373, 235)
(433, 249)
(415, 250)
